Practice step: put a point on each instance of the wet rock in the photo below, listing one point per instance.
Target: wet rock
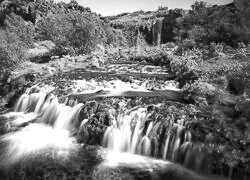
(95, 118)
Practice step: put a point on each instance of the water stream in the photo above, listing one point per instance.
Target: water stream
(40, 122)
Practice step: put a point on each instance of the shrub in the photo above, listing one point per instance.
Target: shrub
(156, 58)
(114, 36)
(185, 46)
(200, 93)
(11, 50)
(69, 30)
(170, 45)
(188, 44)
(213, 50)
(184, 68)
(239, 80)
(24, 30)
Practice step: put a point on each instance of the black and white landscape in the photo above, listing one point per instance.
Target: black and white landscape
(159, 94)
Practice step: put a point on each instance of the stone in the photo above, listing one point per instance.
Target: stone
(41, 53)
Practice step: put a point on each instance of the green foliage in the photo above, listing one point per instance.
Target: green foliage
(156, 58)
(114, 36)
(69, 30)
(220, 24)
(239, 80)
(15, 38)
(24, 30)
(200, 93)
(185, 46)
(30, 10)
(185, 67)
(22, 8)
(11, 51)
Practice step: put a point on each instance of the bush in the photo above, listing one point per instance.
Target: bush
(114, 36)
(188, 44)
(184, 68)
(69, 30)
(16, 36)
(24, 30)
(200, 93)
(239, 80)
(11, 51)
(156, 58)
(185, 46)
(170, 45)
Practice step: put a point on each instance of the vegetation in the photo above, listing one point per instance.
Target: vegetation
(72, 30)
(71, 27)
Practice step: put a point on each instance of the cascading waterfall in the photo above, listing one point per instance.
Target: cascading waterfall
(126, 135)
(43, 123)
(49, 109)
(134, 132)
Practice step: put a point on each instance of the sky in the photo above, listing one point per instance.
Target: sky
(114, 7)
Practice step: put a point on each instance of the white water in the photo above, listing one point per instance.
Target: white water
(43, 123)
(126, 135)
(34, 139)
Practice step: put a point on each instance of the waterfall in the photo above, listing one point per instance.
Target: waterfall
(157, 32)
(42, 123)
(134, 132)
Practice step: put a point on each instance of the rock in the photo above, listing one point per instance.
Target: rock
(80, 58)
(2, 102)
(54, 57)
(67, 57)
(42, 52)
(95, 62)
(49, 70)
(100, 49)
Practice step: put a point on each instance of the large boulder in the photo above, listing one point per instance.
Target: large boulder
(42, 52)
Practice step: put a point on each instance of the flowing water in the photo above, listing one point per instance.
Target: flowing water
(133, 132)
(157, 32)
(40, 122)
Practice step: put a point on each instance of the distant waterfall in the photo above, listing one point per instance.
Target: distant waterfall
(157, 32)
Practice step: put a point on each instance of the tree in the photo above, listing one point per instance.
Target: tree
(69, 30)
